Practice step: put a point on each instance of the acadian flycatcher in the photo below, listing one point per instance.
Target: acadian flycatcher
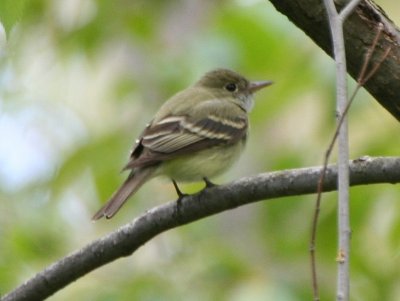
(197, 134)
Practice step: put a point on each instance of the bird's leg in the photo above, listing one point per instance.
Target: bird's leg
(178, 191)
(181, 195)
(208, 183)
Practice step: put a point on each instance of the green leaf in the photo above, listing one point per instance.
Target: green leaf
(10, 13)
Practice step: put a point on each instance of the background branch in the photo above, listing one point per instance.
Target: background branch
(359, 31)
(336, 22)
(126, 240)
(363, 77)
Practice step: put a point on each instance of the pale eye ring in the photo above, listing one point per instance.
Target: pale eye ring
(231, 87)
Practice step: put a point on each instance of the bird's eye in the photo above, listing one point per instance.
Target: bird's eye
(231, 87)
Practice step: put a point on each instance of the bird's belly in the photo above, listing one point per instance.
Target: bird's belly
(207, 163)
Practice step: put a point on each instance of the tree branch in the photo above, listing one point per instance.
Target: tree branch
(336, 22)
(348, 9)
(126, 240)
(359, 31)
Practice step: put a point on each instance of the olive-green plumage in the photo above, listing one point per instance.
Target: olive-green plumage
(196, 134)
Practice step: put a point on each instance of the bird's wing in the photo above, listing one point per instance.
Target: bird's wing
(173, 136)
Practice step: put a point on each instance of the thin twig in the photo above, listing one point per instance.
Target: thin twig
(346, 11)
(362, 79)
(376, 66)
(336, 28)
(368, 54)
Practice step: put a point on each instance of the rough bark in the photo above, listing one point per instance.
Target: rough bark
(359, 31)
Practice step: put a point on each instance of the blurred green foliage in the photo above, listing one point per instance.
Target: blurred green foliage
(78, 81)
(10, 13)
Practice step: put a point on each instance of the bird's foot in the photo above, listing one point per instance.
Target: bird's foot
(181, 195)
(208, 183)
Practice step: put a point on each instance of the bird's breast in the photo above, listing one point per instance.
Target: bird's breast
(206, 163)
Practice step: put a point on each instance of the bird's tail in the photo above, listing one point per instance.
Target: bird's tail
(134, 181)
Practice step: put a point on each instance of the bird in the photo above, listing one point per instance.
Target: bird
(196, 134)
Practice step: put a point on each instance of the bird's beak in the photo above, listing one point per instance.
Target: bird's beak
(255, 86)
